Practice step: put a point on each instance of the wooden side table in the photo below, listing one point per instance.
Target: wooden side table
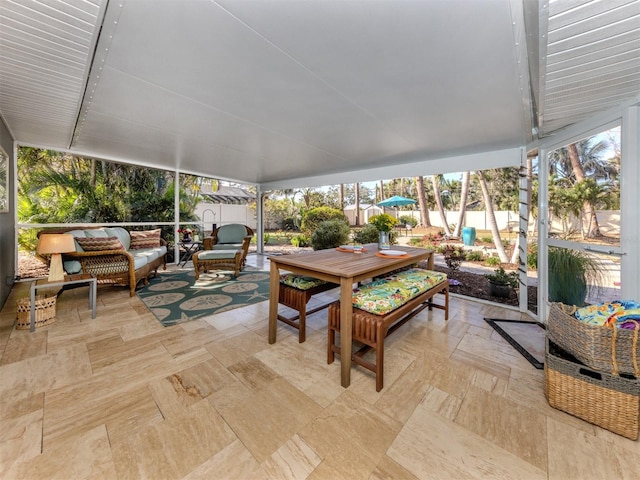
(77, 279)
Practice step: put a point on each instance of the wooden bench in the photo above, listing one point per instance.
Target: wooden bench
(297, 299)
(371, 329)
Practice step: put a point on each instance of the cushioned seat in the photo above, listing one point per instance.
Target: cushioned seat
(233, 236)
(215, 259)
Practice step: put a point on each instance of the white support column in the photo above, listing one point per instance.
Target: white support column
(523, 212)
(176, 216)
(629, 201)
(260, 220)
(543, 232)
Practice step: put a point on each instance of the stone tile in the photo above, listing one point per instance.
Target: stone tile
(87, 456)
(430, 446)
(518, 429)
(174, 447)
(387, 469)
(350, 435)
(184, 388)
(231, 463)
(23, 344)
(295, 459)
(283, 411)
(123, 415)
(233, 348)
(575, 454)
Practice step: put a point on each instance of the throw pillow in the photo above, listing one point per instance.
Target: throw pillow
(145, 239)
(99, 243)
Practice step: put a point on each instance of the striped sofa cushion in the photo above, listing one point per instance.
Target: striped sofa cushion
(99, 243)
(145, 239)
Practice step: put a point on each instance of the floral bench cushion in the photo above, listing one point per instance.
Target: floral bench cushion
(300, 282)
(386, 294)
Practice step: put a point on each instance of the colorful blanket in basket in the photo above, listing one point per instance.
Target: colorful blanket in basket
(621, 314)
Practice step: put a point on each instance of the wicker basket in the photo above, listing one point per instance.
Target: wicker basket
(45, 310)
(611, 350)
(606, 400)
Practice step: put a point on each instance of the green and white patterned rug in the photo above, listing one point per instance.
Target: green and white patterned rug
(175, 297)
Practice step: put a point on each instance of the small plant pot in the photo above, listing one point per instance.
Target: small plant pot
(499, 290)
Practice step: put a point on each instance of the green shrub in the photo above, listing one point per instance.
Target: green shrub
(367, 234)
(408, 220)
(532, 256)
(493, 261)
(289, 223)
(487, 239)
(417, 241)
(572, 275)
(300, 241)
(475, 256)
(330, 234)
(453, 255)
(266, 237)
(315, 216)
(500, 277)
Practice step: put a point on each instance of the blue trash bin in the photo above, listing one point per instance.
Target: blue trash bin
(469, 236)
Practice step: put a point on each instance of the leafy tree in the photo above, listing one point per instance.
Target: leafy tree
(330, 234)
(314, 216)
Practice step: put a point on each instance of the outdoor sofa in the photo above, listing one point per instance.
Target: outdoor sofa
(114, 255)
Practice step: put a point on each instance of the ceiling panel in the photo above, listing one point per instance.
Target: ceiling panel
(262, 92)
(592, 59)
(45, 53)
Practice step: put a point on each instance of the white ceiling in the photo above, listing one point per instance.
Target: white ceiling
(275, 91)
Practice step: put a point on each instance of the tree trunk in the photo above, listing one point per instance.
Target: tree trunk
(463, 203)
(593, 228)
(491, 217)
(357, 193)
(422, 202)
(443, 216)
(341, 196)
(381, 190)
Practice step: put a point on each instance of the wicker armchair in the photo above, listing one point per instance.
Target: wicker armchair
(233, 236)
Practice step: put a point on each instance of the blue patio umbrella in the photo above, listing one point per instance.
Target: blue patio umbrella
(396, 201)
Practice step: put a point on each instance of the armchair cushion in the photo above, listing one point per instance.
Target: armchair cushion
(232, 233)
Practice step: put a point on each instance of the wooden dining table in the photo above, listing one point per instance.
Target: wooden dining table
(345, 269)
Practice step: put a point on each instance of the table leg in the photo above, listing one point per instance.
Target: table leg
(274, 292)
(93, 296)
(346, 319)
(32, 312)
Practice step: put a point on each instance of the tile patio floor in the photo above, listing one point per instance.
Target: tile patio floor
(121, 397)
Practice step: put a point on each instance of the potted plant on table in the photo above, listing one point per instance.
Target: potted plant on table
(384, 223)
(501, 283)
(186, 233)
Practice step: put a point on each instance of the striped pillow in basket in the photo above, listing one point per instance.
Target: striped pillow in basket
(99, 243)
(145, 239)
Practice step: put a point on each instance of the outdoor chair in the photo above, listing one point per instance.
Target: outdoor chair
(233, 236)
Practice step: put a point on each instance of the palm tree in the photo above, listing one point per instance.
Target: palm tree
(491, 217)
(582, 160)
(435, 182)
(422, 202)
(466, 176)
